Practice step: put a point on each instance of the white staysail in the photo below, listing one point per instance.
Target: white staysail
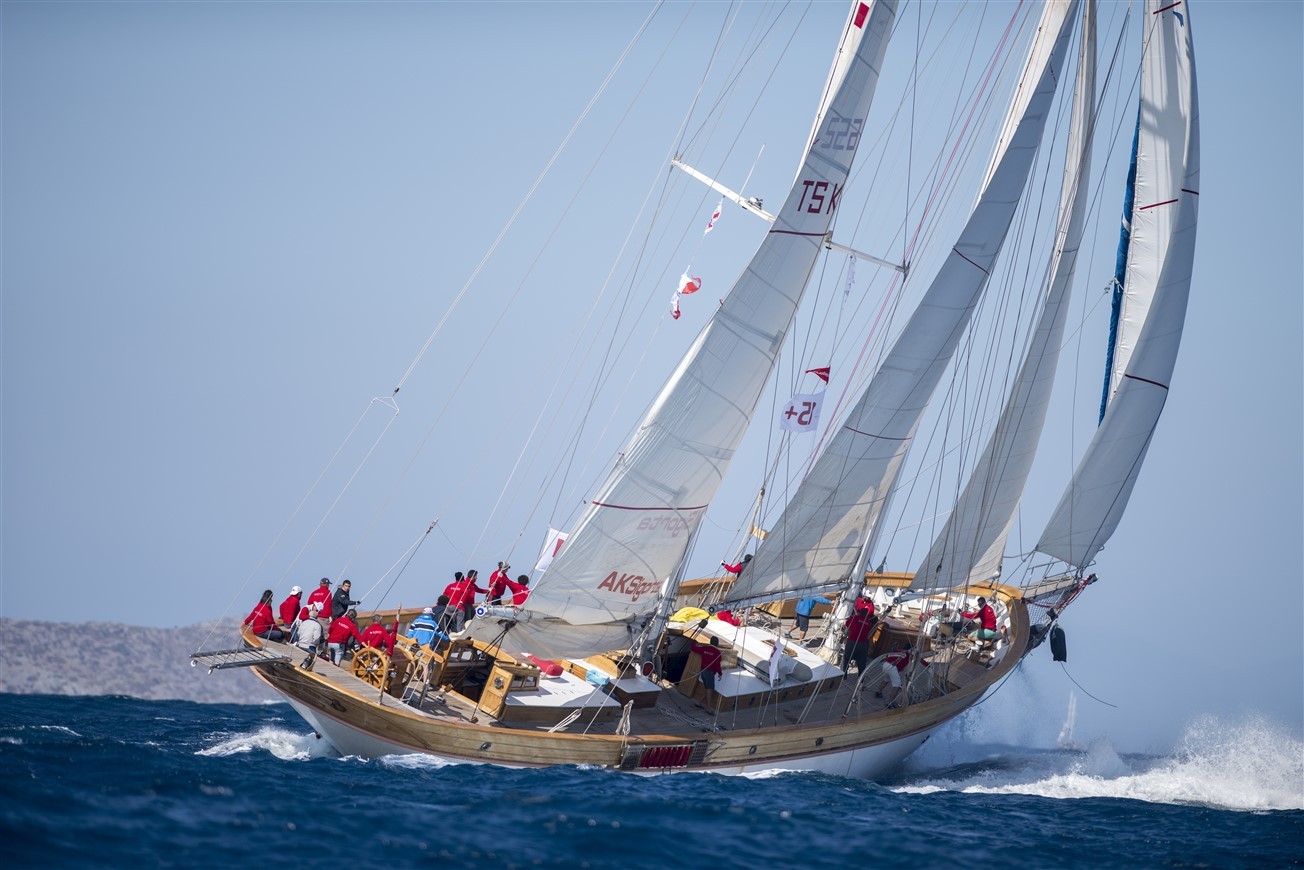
(822, 530)
(1158, 276)
(972, 543)
(634, 534)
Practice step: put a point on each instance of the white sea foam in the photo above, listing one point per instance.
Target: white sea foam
(1248, 765)
(417, 761)
(284, 744)
(59, 728)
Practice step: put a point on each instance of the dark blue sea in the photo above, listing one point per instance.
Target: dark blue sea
(121, 782)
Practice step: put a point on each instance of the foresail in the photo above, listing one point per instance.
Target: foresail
(635, 532)
(971, 545)
(1159, 269)
(821, 531)
(1161, 159)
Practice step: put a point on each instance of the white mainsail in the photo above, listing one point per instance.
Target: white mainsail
(634, 534)
(823, 529)
(1159, 279)
(972, 543)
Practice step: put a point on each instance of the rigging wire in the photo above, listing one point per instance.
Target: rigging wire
(1084, 691)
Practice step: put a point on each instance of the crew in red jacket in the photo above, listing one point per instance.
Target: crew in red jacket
(342, 628)
(520, 589)
(322, 596)
(894, 664)
(860, 627)
(498, 584)
(378, 637)
(711, 657)
(262, 621)
(986, 631)
(461, 593)
(290, 606)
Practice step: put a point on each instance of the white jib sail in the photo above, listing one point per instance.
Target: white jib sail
(1162, 151)
(972, 543)
(1159, 270)
(817, 538)
(635, 532)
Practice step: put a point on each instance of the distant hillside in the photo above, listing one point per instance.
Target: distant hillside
(106, 658)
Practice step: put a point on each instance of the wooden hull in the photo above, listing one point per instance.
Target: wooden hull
(864, 745)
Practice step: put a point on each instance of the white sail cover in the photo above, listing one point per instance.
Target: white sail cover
(820, 533)
(972, 543)
(634, 534)
(1158, 276)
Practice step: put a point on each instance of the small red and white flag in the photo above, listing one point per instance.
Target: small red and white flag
(715, 216)
(551, 548)
(802, 413)
(687, 287)
(821, 373)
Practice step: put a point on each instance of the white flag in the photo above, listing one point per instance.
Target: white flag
(550, 549)
(802, 413)
(710, 225)
(776, 655)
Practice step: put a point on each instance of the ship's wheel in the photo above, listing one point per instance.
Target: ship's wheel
(370, 665)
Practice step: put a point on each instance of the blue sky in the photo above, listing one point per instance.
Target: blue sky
(228, 226)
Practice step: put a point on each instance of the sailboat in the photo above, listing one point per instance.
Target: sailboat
(605, 662)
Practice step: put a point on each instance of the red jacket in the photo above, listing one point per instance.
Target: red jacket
(462, 592)
(261, 617)
(861, 625)
(711, 657)
(290, 609)
(322, 595)
(520, 591)
(377, 636)
(898, 658)
(497, 583)
(987, 615)
(341, 629)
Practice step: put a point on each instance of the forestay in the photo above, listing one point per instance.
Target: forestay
(821, 532)
(635, 532)
(1163, 223)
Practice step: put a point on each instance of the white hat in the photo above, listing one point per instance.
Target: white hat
(295, 590)
(429, 611)
(314, 607)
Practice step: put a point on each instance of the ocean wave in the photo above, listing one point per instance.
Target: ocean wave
(1250, 765)
(284, 744)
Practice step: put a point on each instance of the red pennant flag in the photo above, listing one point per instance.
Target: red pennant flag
(821, 373)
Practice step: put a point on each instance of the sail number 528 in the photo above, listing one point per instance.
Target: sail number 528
(841, 134)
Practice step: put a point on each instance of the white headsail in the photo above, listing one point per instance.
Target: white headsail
(972, 543)
(1160, 256)
(822, 530)
(635, 532)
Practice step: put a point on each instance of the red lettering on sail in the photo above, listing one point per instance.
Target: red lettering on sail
(633, 585)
